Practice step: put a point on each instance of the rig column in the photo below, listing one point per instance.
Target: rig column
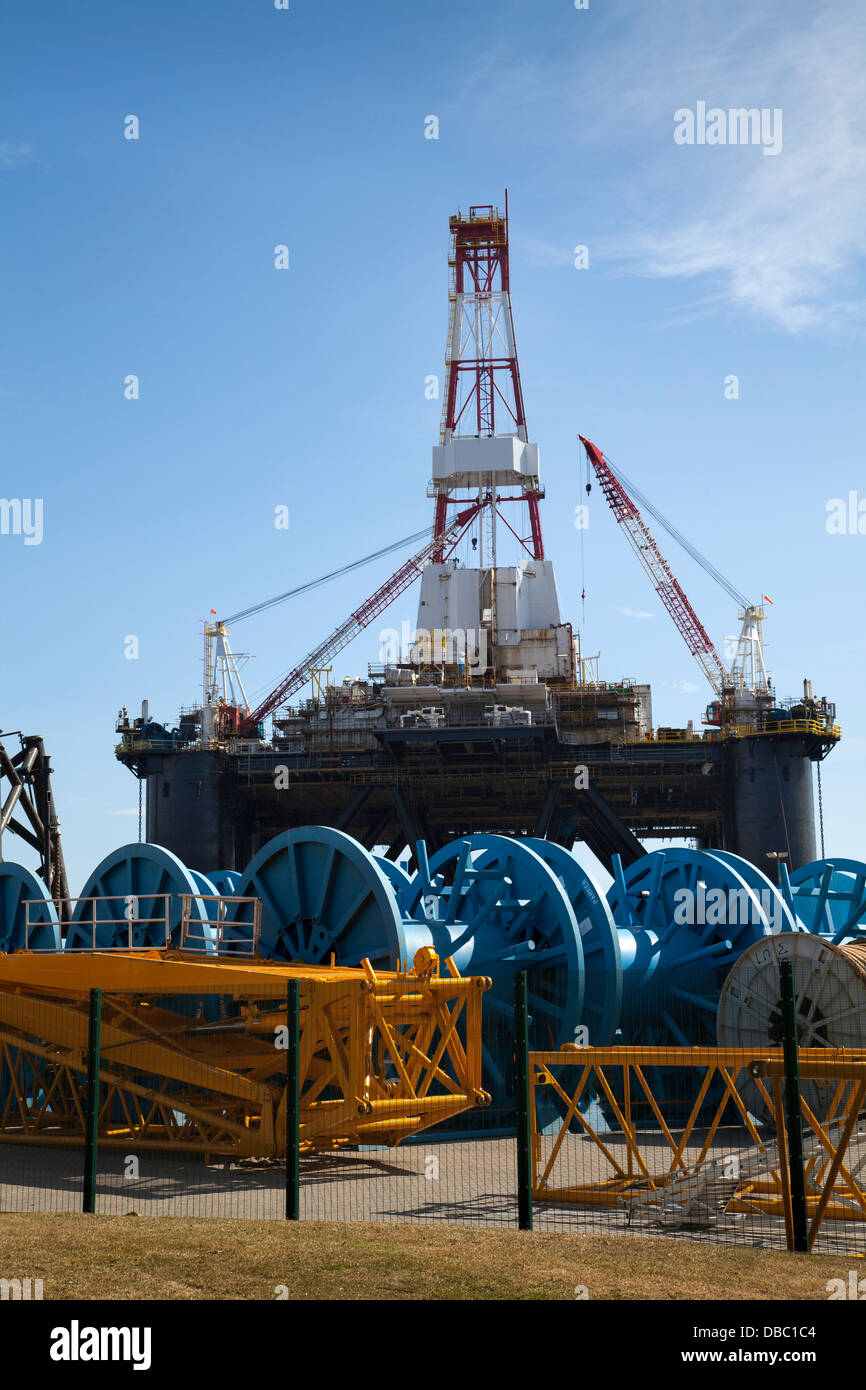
(773, 803)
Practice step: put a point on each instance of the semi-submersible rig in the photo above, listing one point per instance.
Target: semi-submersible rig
(486, 717)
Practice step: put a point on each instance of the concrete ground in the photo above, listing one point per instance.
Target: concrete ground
(472, 1182)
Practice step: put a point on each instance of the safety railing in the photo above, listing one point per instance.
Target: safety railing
(143, 745)
(122, 927)
(787, 726)
(129, 921)
(209, 933)
(780, 726)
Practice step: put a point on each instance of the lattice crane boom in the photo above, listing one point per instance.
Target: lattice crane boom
(664, 581)
(364, 614)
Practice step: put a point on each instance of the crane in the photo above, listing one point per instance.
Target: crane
(743, 688)
(225, 707)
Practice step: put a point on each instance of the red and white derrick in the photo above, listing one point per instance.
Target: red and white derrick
(483, 396)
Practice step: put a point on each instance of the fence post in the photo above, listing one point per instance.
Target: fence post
(91, 1110)
(793, 1112)
(524, 1134)
(293, 1108)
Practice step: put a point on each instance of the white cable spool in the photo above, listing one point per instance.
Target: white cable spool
(830, 990)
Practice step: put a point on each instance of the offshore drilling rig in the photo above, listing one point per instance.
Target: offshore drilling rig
(486, 716)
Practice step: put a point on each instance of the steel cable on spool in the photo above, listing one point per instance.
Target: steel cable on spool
(830, 993)
(855, 952)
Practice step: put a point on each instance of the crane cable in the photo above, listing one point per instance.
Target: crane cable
(678, 536)
(325, 578)
(820, 809)
(582, 553)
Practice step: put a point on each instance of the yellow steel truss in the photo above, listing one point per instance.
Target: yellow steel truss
(652, 1167)
(382, 1055)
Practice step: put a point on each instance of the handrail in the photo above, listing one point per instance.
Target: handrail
(129, 917)
(198, 940)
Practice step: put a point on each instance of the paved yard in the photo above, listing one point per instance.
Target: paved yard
(472, 1182)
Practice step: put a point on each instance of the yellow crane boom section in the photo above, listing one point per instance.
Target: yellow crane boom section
(193, 1057)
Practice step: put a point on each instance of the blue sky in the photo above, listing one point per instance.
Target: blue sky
(306, 387)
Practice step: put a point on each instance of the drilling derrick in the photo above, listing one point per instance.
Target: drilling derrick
(510, 614)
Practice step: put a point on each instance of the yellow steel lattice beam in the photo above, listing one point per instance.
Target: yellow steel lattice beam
(833, 1189)
(381, 1055)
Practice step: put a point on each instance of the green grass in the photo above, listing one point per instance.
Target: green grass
(129, 1257)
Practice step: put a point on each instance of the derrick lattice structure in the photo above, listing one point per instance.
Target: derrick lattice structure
(484, 395)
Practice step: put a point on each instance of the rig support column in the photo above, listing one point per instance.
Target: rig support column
(772, 801)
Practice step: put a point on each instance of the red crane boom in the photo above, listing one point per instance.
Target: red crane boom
(664, 582)
(363, 615)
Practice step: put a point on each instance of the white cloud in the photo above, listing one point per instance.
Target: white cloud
(777, 237)
(636, 613)
(780, 239)
(12, 155)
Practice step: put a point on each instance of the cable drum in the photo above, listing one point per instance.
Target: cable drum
(829, 897)
(830, 992)
(123, 904)
(324, 897)
(28, 917)
(675, 952)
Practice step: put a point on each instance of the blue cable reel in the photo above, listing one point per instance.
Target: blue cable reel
(602, 957)
(322, 895)
(776, 904)
(488, 902)
(397, 876)
(603, 966)
(684, 917)
(132, 880)
(124, 894)
(493, 905)
(829, 897)
(18, 886)
(225, 881)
